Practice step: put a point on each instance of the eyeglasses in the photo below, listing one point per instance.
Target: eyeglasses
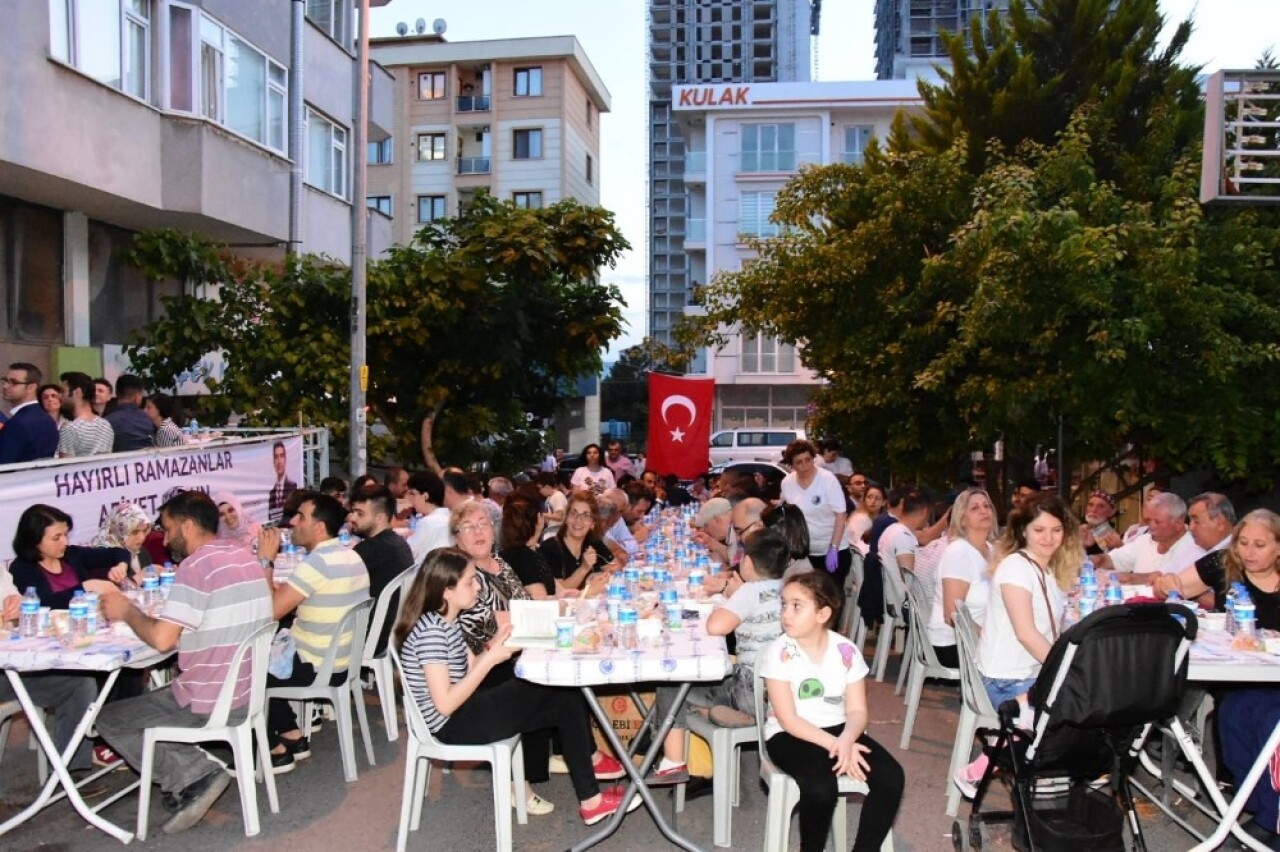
(8, 381)
(475, 527)
(743, 530)
(579, 516)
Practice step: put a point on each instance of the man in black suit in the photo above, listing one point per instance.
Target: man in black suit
(30, 433)
(284, 487)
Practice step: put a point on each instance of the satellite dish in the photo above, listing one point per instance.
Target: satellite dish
(402, 28)
(420, 25)
(439, 26)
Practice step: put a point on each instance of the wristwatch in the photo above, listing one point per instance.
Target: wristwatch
(266, 563)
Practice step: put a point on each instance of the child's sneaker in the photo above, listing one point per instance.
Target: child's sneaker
(608, 769)
(610, 801)
(967, 778)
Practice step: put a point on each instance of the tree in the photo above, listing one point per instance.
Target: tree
(477, 322)
(624, 393)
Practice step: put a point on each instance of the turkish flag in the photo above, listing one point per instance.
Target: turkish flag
(679, 424)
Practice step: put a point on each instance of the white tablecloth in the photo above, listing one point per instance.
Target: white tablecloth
(682, 655)
(105, 653)
(1212, 659)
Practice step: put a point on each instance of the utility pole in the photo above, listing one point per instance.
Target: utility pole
(359, 250)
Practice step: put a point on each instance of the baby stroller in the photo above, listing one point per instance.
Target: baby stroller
(1106, 682)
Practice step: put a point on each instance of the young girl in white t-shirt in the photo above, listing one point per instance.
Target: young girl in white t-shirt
(816, 726)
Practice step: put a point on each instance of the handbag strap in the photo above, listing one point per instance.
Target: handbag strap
(1044, 590)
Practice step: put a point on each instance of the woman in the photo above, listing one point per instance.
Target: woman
(789, 521)
(962, 571)
(820, 496)
(57, 570)
(50, 397)
(451, 687)
(163, 411)
(233, 523)
(518, 540)
(577, 552)
(473, 531)
(1251, 559)
(592, 475)
(698, 489)
(860, 521)
(127, 527)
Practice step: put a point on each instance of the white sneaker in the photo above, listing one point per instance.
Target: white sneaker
(535, 805)
(557, 766)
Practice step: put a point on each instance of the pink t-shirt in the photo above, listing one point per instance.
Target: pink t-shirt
(64, 582)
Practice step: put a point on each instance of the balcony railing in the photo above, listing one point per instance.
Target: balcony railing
(473, 103)
(695, 230)
(695, 162)
(473, 165)
(768, 161)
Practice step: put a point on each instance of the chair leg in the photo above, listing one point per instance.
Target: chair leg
(906, 665)
(859, 636)
(502, 794)
(840, 823)
(144, 785)
(242, 750)
(420, 790)
(914, 689)
(517, 781)
(680, 788)
(387, 696)
(408, 797)
(887, 628)
(722, 755)
(362, 715)
(965, 729)
(346, 742)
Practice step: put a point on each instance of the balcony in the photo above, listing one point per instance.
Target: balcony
(768, 161)
(695, 167)
(473, 165)
(695, 234)
(473, 103)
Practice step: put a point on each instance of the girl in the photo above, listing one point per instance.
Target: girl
(445, 679)
(592, 475)
(816, 726)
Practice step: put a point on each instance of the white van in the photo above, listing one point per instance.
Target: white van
(759, 445)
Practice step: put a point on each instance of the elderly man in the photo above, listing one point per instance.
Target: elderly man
(711, 528)
(1097, 535)
(1212, 520)
(1166, 548)
(743, 520)
(614, 503)
(29, 433)
(218, 599)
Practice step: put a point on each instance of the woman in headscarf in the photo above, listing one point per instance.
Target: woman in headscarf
(233, 522)
(127, 526)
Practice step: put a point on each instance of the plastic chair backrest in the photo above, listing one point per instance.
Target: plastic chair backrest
(854, 581)
(381, 611)
(256, 647)
(412, 712)
(758, 691)
(920, 626)
(895, 589)
(971, 687)
(356, 620)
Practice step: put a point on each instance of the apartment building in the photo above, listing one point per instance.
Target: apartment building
(742, 144)
(517, 118)
(126, 115)
(908, 40)
(706, 41)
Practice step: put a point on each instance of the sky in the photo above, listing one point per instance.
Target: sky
(1227, 34)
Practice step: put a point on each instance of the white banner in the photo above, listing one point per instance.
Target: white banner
(262, 472)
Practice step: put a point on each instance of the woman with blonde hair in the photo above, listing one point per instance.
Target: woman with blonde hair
(963, 571)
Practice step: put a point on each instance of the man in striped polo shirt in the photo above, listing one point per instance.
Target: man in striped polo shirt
(218, 599)
(331, 580)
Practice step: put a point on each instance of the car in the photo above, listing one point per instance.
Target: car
(758, 445)
(773, 473)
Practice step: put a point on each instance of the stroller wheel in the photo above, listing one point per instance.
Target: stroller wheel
(958, 838)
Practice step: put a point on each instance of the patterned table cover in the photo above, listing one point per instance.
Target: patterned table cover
(1213, 659)
(683, 655)
(104, 653)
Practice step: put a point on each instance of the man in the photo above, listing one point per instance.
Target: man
(331, 580)
(426, 495)
(832, 460)
(615, 502)
(856, 488)
(743, 520)
(1167, 547)
(86, 434)
(218, 599)
(1023, 492)
(1097, 535)
(555, 503)
(134, 429)
(639, 500)
(499, 489)
(30, 433)
(711, 528)
(549, 464)
(617, 461)
(456, 488)
(384, 553)
(284, 486)
(396, 481)
(102, 396)
(1212, 520)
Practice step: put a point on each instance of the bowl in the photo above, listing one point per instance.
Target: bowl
(1214, 621)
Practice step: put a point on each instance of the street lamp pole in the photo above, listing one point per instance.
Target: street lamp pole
(359, 252)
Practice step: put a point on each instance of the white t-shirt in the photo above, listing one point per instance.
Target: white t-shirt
(960, 561)
(816, 688)
(1000, 654)
(858, 525)
(820, 503)
(432, 532)
(897, 540)
(597, 483)
(757, 605)
(1140, 555)
(556, 503)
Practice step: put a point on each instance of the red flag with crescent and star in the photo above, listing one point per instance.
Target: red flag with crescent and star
(679, 424)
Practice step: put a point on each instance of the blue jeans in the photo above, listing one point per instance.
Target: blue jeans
(1002, 689)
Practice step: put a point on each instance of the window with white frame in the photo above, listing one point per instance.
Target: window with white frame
(380, 152)
(431, 146)
(856, 140)
(528, 82)
(326, 155)
(526, 144)
(330, 16)
(763, 354)
(768, 147)
(109, 40)
(527, 200)
(381, 203)
(431, 85)
(754, 210)
(431, 208)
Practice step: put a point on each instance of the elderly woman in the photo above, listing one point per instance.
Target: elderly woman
(821, 497)
(962, 572)
(233, 522)
(127, 527)
(577, 552)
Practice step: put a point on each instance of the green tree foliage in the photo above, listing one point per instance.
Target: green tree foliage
(624, 393)
(480, 320)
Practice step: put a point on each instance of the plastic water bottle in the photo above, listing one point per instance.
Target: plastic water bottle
(344, 537)
(150, 589)
(29, 614)
(1230, 607)
(628, 627)
(1246, 616)
(617, 590)
(91, 617)
(193, 427)
(79, 612)
(167, 574)
(631, 576)
(1115, 594)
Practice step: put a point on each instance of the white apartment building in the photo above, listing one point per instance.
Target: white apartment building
(125, 115)
(743, 142)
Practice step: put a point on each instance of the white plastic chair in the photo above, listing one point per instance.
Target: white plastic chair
(379, 665)
(355, 620)
(784, 795)
(924, 662)
(255, 650)
(975, 707)
(726, 771)
(851, 626)
(505, 756)
(894, 617)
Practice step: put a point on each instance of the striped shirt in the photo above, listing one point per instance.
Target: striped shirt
(85, 437)
(433, 640)
(168, 434)
(219, 598)
(332, 579)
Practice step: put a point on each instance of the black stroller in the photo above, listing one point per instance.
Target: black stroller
(1106, 682)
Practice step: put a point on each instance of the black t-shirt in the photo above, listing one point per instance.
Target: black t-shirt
(563, 563)
(530, 567)
(385, 556)
(1214, 575)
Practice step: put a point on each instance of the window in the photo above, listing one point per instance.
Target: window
(431, 208)
(527, 200)
(31, 273)
(326, 155)
(380, 152)
(856, 140)
(754, 210)
(109, 40)
(121, 298)
(430, 85)
(330, 16)
(768, 147)
(233, 83)
(431, 146)
(761, 354)
(381, 203)
(591, 172)
(590, 107)
(528, 82)
(527, 145)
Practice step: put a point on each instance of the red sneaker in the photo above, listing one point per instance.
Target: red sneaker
(608, 769)
(610, 801)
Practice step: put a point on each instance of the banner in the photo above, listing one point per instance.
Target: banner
(262, 472)
(679, 424)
